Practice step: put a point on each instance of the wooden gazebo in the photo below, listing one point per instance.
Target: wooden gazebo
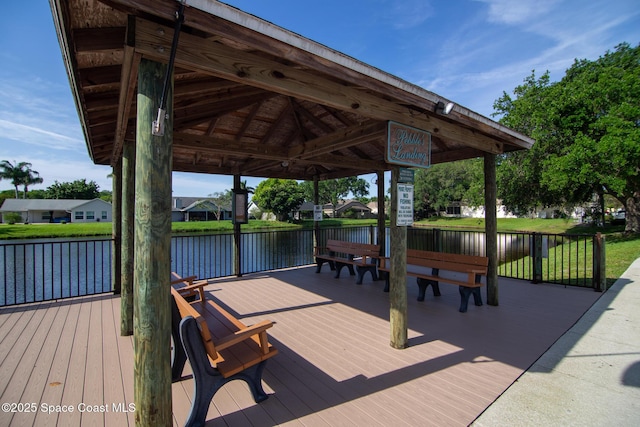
(199, 86)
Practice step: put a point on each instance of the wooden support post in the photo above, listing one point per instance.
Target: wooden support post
(382, 235)
(491, 227)
(128, 245)
(237, 235)
(152, 309)
(116, 227)
(316, 224)
(398, 272)
(599, 263)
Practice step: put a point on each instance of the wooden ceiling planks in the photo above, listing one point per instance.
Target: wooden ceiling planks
(250, 98)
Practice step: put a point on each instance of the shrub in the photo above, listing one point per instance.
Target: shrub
(12, 217)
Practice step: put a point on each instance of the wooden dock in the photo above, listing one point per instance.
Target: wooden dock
(335, 365)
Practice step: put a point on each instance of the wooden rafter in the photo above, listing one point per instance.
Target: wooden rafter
(217, 59)
(338, 140)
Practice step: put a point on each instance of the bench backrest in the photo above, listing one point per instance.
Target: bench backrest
(446, 261)
(352, 248)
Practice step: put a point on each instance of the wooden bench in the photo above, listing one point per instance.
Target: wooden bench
(220, 348)
(188, 286)
(426, 266)
(338, 254)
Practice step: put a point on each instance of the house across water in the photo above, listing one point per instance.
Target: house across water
(57, 210)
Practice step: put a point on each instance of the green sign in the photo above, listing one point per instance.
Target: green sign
(406, 175)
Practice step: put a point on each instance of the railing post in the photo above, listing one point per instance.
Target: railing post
(599, 263)
(536, 254)
(237, 236)
(437, 240)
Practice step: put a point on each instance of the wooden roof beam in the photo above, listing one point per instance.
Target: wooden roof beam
(129, 80)
(223, 61)
(338, 140)
(208, 144)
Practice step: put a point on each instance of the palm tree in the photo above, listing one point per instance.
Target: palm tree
(19, 174)
(32, 177)
(244, 186)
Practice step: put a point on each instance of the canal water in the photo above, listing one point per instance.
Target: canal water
(38, 270)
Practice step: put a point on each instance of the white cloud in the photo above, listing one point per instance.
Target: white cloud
(31, 113)
(409, 13)
(513, 12)
(480, 60)
(36, 136)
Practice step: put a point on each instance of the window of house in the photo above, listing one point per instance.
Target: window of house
(46, 216)
(79, 215)
(104, 215)
(91, 215)
(453, 210)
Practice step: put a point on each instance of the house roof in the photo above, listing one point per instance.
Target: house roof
(342, 205)
(183, 204)
(250, 98)
(23, 205)
(352, 204)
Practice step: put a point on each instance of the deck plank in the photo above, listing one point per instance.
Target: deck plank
(37, 371)
(334, 367)
(114, 396)
(125, 355)
(19, 370)
(74, 383)
(55, 382)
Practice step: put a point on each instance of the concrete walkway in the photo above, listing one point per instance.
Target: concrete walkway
(590, 376)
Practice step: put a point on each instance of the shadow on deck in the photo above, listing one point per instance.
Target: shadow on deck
(335, 365)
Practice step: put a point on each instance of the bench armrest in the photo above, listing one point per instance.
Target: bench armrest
(177, 279)
(244, 334)
(197, 287)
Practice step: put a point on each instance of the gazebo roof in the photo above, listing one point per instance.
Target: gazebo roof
(251, 98)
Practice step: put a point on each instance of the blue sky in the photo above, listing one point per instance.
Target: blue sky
(469, 51)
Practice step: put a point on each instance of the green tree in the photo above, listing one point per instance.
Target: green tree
(20, 174)
(441, 185)
(587, 132)
(220, 200)
(333, 190)
(280, 196)
(79, 189)
(106, 195)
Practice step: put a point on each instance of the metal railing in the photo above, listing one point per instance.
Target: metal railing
(567, 259)
(48, 270)
(41, 271)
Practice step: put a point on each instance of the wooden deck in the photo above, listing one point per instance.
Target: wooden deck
(335, 365)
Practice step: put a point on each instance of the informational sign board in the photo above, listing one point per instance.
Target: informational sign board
(405, 205)
(239, 207)
(408, 146)
(317, 212)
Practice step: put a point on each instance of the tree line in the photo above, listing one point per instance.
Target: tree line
(587, 132)
(23, 176)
